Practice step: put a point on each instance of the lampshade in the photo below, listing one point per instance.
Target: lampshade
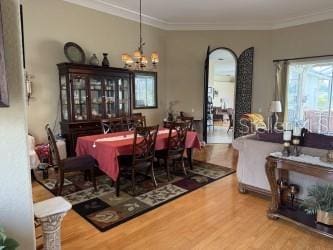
(276, 106)
(144, 60)
(124, 57)
(137, 54)
(154, 57)
(129, 61)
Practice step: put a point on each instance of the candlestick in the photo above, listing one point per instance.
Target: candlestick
(297, 131)
(287, 134)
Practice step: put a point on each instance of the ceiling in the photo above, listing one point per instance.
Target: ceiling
(217, 14)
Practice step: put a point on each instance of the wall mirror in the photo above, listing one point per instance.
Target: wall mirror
(227, 93)
(144, 90)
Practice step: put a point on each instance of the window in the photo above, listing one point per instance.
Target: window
(309, 95)
(145, 90)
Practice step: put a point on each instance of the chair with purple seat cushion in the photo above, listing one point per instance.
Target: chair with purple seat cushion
(72, 164)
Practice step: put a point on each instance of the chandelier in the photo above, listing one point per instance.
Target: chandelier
(139, 60)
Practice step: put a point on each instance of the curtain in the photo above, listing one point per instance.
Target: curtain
(280, 94)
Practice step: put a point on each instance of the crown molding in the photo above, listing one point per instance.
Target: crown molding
(310, 18)
(115, 10)
(109, 8)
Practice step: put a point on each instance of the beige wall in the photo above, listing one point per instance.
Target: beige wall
(186, 51)
(49, 24)
(16, 214)
(306, 40)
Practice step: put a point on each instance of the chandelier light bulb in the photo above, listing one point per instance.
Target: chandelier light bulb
(129, 61)
(144, 60)
(154, 58)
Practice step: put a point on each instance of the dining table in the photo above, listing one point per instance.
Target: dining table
(106, 148)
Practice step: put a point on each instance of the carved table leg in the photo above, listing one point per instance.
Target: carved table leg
(271, 175)
(51, 231)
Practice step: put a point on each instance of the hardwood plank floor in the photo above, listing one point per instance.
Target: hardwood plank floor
(213, 217)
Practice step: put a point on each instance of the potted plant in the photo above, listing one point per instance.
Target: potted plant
(5, 242)
(320, 203)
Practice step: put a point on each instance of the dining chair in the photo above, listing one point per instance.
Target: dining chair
(134, 121)
(143, 155)
(106, 126)
(188, 119)
(175, 147)
(73, 164)
(117, 124)
(113, 124)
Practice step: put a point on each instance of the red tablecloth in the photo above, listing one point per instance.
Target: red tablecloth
(106, 152)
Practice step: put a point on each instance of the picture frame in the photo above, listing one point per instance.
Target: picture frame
(4, 98)
(145, 90)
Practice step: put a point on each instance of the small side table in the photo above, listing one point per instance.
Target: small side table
(304, 164)
(50, 214)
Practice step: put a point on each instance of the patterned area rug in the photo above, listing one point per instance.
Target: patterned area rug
(105, 210)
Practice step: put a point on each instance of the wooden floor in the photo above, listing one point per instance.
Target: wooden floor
(213, 217)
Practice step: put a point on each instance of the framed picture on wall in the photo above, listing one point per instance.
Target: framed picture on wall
(4, 99)
(144, 90)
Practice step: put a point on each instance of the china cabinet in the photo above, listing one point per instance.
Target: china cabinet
(88, 94)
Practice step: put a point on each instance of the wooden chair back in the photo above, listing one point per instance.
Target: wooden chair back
(117, 124)
(188, 120)
(144, 144)
(135, 121)
(106, 126)
(177, 137)
(53, 149)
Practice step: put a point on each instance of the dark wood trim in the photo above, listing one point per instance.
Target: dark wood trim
(22, 34)
(148, 73)
(4, 96)
(205, 97)
(301, 58)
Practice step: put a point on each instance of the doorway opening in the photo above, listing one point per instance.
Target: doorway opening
(221, 95)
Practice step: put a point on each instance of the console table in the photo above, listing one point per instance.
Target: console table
(309, 165)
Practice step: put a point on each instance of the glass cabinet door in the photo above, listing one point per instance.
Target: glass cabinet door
(96, 101)
(110, 97)
(123, 96)
(79, 87)
(63, 96)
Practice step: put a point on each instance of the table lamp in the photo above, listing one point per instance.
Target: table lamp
(276, 108)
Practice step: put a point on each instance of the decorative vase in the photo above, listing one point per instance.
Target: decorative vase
(105, 62)
(94, 60)
(325, 217)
